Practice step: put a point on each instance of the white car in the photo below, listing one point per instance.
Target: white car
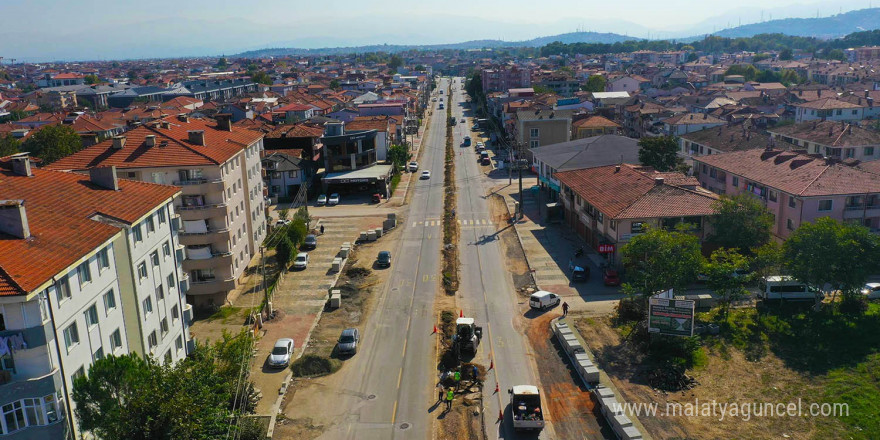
(282, 222)
(413, 166)
(301, 261)
(333, 200)
(871, 290)
(426, 174)
(322, 200)
(281, 353)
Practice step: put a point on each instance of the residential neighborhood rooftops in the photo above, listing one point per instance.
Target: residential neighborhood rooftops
(827, 104)
(588, 152)
(829, 133)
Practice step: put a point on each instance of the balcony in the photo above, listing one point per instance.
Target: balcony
(860, 211)
(217, 259)
(202, 212)
(210, 286)
(207, 237)
(200, 186)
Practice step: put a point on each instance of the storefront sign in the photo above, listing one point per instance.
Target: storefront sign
(606, 248)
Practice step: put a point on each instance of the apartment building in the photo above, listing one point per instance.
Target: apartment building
(840, 140)
(88, 268)
(222, 207)
(502, 78)
(542, 127)
(795, 187)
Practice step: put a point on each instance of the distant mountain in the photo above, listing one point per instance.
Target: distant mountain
(835, 26)
(571, 37)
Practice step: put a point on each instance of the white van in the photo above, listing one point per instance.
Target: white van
(778, 287)
(543, 300)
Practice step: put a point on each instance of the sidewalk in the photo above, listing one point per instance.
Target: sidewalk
(399, 196)
(550, 248)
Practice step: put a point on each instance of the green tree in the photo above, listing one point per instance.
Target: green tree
(261, 78)
(595, 83)
(830, 252)
(132, 75)
(399, 155)
(660, 152)
(222, 63)
(296, 231)
(284, 214)
(13, 116)
(53, 142)
(420, 68)
(284, 252)
(302, 214)
(91, 79)
(9, 145)
(692, 57)
(334, 84)
(785, 54)
(741, 222)
(539, 89)
(657, 260)
(395, 62)
(723, 278)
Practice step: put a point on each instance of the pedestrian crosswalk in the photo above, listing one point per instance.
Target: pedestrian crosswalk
(461, 222)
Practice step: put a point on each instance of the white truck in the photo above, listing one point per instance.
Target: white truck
(525, 406)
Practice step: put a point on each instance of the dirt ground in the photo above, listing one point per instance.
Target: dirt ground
(727, 377)
(515, 258)
(230, 319)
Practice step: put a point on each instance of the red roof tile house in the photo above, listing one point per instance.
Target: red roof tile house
(88, 268)
(795, 187)
(612, 204)
(222, 206)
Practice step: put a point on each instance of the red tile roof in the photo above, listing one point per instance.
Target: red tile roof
(827, 104)
(632, 192)
(172, 148)
(59, 208)
(595, 121)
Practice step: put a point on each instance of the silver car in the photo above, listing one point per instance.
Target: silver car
(281, 353)
(348, 341)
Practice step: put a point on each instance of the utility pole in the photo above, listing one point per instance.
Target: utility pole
(518, 151)
(263, 282)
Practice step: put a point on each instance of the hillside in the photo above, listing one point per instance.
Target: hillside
(835, 26)
(571, 37)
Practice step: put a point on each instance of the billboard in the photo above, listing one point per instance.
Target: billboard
(670, 316)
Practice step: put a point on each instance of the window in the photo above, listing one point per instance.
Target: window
(152, 341)
(62, 289)
(148, 306)
(109, 301)
(637, 227)
(80, 372)
(789, 224)
(136, 231)
(534, 132)
(168, 356)
(534, 144)
(163, 325)
(142, 270)
(166, 249)
(160, 293)
(151, 226)
(850, 153)
(825, 205)
(855, 112)
(869, 151)
(71, 336)
(154, 257)
(98, 355)
(735, 181)
(115, 340)
(175, 313)
(771, 195)
(713, 172)
(85, 274)
(13, 415)
(291, 174)
(103, 259)
(791, 202)
(178, 344)
(171, 283)
(7, 363)
(91, 315)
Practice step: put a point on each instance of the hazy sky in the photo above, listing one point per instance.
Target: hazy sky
(54, 29)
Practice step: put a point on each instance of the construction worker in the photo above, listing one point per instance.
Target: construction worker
(449, 396)
(476, 373)
(440, 394)
(457, 377)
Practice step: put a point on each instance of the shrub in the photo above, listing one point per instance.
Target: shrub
(313, 365)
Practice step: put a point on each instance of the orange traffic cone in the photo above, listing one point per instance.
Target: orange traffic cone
(497, 389)
(500, 415)
(435, 330)
(491, 364)
(461, 313)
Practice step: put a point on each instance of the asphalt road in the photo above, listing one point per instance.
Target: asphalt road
(388, 386)
(487, 291)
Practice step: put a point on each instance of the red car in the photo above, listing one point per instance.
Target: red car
(611, 278)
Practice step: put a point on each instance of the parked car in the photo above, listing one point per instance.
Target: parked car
(543, 300)
(462, 120)
(383, 259)
(310, 242)
(322, 200)
(579, 273)
(426, 174)
(333, 200)
(413, 166)
(282, 222)
(348, 341)
(871, 290)
(610, 277)
(376, 198)
(301, 261)
(281, 353)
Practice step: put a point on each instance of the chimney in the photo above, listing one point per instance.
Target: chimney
(224, 121)
(617, 168)
(658, 181)
(150, 140)
(197, 137)
(105, 177)
(849, 129)
(13, 219)
(819, 93)
(165, 124)
(866, 93)
(183, 117)
(118, 142)
(21, 165)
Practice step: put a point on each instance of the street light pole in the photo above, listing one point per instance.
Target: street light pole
(519, 148)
